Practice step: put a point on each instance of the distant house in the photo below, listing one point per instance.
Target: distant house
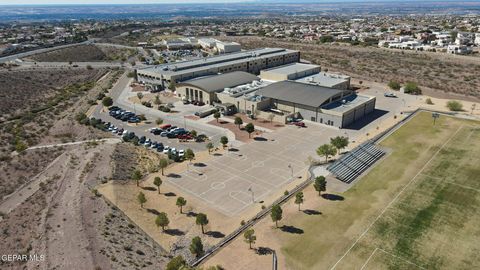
(459, 49)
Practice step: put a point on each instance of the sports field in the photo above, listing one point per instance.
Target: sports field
(419, 208)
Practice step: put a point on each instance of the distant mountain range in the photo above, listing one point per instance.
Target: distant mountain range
(231, 10)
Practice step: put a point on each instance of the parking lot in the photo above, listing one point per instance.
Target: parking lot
(248, 174)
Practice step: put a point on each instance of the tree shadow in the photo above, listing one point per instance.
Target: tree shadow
(311, 212)
(175, 232)
(174, 175)
(260, 139)
(215, 234)
(332, 197)
(153, 211)
(149, 188)
(291, 229)
(264, 251)
(191, 214)
(199, 164)
(170, 194)
(233, 150)
(217, 154)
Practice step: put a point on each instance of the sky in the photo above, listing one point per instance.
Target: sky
(52, 2)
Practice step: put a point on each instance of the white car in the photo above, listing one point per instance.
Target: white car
(166, 149)
(181, 153)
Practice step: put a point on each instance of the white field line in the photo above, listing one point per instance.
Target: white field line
(402, 259)
(370, 257)
(451, 182)
(395, 198)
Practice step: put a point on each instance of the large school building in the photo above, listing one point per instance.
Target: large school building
(253, 61)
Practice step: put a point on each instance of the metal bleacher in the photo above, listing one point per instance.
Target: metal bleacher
(354, 163)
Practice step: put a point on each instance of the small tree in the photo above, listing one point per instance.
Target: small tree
(201, 220)
(412, 88)
(339, 142)
(107, 101)
(454, 106)
(193, 133)
(224, 141)
(276, 214)
(159, 121)
(209, 147)
(157, 181)
(320, 184)
(141, 199)
(326, 150)
(429, 101)
(189, 155)
(137, 175)
(217, 115)
(181, 202)
(299, 199)
(238, 121)
(394, 85)
(196, 247)
(250, 128)
(157, 100)
(177, 263)
(162, 220)
(250, 237)
(163, 163)
(140, 96)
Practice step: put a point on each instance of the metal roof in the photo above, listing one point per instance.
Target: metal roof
(217, 83)
(300, 93)
(190, 65)
(291, 68)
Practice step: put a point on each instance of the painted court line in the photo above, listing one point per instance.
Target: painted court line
(395, 198)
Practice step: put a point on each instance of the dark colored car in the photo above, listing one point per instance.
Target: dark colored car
(134, 120)
(142, 139)
(171, 135)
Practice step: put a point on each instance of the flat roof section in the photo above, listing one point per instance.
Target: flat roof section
(324, 79)
(291, 68)
(300, 93)
(347, 103)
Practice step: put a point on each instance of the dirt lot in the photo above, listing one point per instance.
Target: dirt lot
(441, 72)
(84, 53)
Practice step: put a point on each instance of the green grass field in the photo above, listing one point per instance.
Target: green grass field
(419, 208)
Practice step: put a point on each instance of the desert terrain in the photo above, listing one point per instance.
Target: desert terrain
(439, 75)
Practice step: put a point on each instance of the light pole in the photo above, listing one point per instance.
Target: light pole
(291, 169)
(253, 195)
(435, 116)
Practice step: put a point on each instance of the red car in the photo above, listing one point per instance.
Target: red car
(299, 124)
(185, 137)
